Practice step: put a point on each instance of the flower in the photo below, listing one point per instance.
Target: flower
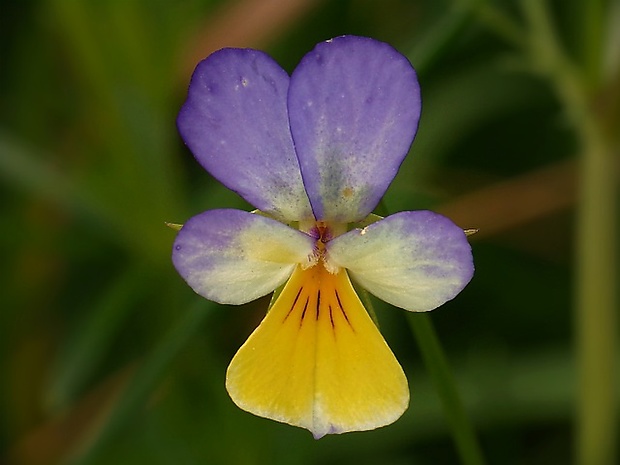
(314, 153)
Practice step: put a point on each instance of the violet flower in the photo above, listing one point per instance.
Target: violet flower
(314, 153)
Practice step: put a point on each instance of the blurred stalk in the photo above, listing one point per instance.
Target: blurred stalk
(441, 38)
(593, 14)
(436, 42)
(143, 383)
(596, 270)
(86, 346)
(367, 302)
(439, 370)
(596, 324)
(29, 170)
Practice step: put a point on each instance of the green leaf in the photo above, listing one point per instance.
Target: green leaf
(144, 381)
(92, 337)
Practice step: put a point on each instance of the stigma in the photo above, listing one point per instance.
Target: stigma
(322, 232)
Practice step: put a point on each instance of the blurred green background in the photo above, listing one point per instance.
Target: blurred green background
(107, 356)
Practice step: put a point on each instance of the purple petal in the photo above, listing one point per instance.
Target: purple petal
(234, 257)
(413, 260)
(235, 123)
(354, 105)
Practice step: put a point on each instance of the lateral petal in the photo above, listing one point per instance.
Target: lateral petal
(354, 105)
(235, 122)
(318, 361)
(234, 257)
(413, 260)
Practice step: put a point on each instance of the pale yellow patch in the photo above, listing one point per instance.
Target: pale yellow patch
(282, 245)
(318, 361)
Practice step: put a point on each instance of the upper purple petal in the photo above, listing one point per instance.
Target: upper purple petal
(354, 106)
(235, 123)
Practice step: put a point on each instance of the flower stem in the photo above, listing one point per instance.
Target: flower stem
(596, 322)
(437, 365)
(596, 299)
(370, 308)
(596, 275)
(592, 46)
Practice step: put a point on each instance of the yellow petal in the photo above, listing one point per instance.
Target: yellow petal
(318, 361)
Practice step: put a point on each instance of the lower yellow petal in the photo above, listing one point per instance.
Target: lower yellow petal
(318, 361)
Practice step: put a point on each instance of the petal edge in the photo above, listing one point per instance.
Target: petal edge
(233, 257)
(354, 106)
(415, 260)
(235, 122)
(317, 361)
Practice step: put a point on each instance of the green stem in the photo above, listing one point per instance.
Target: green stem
(596, 274)
(593, 15)
(370, 308)
(596, 299)
(596, 303)
(499, 22)
(437, 365)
